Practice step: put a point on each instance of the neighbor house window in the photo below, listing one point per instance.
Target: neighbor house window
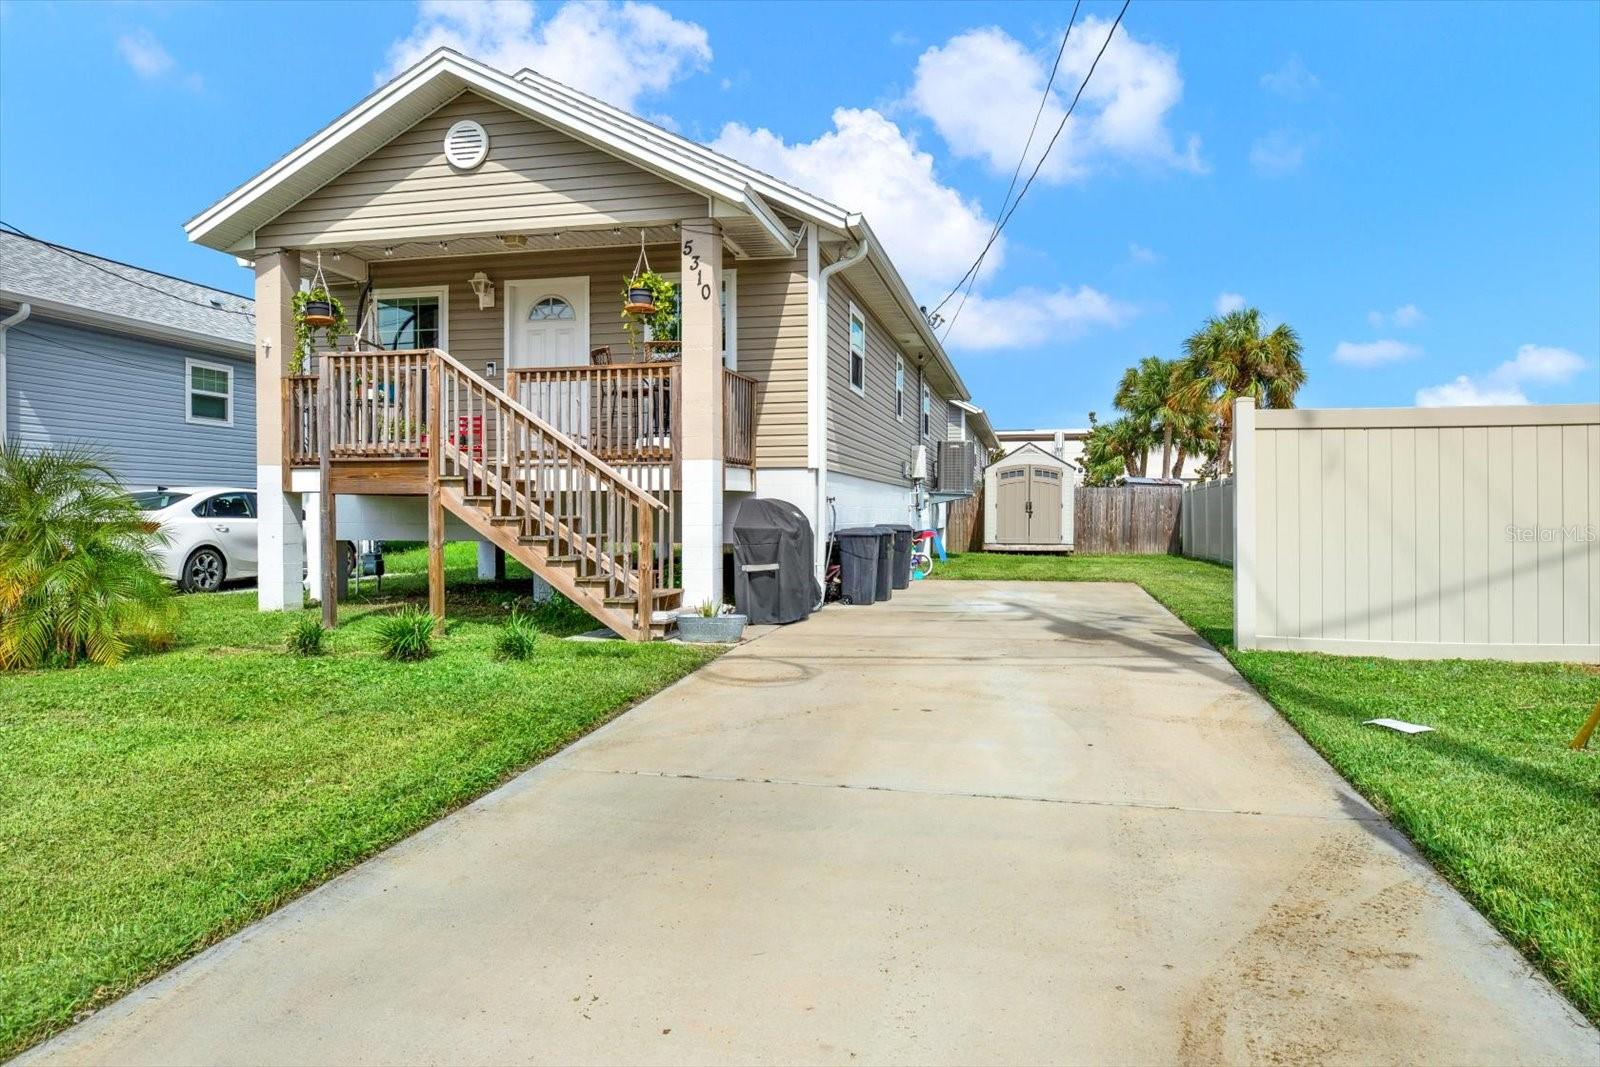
(858, 351)
(900, 387)
(413, 318)
(210, 392)
(927, 412)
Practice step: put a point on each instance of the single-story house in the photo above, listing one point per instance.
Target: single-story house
(157, 372)
(478, 228)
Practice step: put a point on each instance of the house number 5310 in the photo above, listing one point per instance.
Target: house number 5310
(694, 266)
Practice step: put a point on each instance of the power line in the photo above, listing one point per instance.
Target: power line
(972, 270)
(123, 277)
(1022, 158)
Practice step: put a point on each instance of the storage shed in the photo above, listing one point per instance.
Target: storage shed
(1027, 502)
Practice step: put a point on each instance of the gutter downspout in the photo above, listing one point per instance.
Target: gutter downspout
(16, 318)
(820, 369)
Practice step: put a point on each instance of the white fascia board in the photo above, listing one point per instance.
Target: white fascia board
(599, 132)
(104, 320)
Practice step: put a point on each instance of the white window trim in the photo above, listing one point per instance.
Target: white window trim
(850, 350)
(900, 388)
(189, 392)
(442, 292)
(927, 411)
(730, 335)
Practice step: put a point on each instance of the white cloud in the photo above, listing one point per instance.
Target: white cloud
(1464, 392)
(1138, 253)
(150, 60)
(1535, 364)
(866, 163)
(1227, 302)
(619, 52)
(1279, 153)
(981, 89)
(1405, 317)
(1373, 353)
(1030, 316)
(1294, 79)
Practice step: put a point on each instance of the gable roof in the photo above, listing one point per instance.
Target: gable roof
(740, 196)
(65, 283)
(1032, 447)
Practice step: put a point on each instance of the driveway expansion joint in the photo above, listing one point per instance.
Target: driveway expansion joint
(1025, 798)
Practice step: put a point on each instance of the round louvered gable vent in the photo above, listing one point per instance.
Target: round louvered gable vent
(466, 144)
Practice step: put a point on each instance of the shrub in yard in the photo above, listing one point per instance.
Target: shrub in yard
(407, 635)
(307, 637)
(78, 576)
(516, 638)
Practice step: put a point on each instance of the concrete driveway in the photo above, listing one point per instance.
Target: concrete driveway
(987, 822)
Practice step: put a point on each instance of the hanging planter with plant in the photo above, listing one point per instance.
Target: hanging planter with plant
(650, 302)
(316, 311)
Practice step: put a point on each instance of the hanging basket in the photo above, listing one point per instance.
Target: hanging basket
(318, 313)
(641, 301)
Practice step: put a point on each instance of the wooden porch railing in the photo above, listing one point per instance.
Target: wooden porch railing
(300, 444)
(378, 404)
(621, 412)
(738, 418)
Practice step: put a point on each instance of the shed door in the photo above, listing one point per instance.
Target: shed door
(1044, 501)
(1011, 490)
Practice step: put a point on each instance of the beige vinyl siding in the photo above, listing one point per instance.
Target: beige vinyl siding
(533, 176)
(864, 437)
(771, 299)
(1428, 532)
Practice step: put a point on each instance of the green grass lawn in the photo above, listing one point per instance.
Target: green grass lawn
(149, 809)
(1494, 798)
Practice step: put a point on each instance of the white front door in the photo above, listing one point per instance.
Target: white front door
(547, 322)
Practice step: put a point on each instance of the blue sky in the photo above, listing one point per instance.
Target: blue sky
(1415, 188)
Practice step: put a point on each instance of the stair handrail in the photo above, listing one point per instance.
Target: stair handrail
(600, 465)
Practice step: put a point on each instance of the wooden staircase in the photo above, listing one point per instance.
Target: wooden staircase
(549, 503)
(516, 480)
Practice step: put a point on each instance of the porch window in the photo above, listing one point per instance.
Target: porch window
(900, 387)
(412, 318)
(858, 351)
(210, 392)
(730, 317)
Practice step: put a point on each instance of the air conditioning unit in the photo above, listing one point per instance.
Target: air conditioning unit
(958, 467)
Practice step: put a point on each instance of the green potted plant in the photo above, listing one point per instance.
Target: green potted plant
(711, 623)
(649, 300)
(316, 311)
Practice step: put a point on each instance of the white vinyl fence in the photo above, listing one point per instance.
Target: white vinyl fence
(1206, 521)
(1419, 532)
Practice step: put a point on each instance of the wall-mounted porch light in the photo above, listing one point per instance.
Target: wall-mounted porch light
(484, 288)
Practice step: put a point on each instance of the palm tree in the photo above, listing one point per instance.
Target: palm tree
(1229, 358)
(77, 571)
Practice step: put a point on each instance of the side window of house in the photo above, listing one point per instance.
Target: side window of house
(858, 351)
(927, 412)
(409, 322)
(210, 388)
(899, 387)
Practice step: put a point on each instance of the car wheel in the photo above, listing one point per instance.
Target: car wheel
(349, 554)
(203, 572)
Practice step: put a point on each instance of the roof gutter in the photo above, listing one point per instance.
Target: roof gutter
(15, 318)
(819, 377)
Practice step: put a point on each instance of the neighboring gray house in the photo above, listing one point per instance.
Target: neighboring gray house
(157, 371)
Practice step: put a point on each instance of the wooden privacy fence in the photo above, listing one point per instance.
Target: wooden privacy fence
(1126, 519)
(1419, 532)
(1206, 521)
(964, 523)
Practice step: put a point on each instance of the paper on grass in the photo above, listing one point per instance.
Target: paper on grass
(1400, 725)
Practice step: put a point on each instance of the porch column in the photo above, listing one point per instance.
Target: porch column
(700, 410)
(279, 541)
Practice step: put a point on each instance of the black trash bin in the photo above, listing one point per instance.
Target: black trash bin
(885, 562)
(858, 564)
(904, 537)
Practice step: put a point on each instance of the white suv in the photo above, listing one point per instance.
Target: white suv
(213, 532)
